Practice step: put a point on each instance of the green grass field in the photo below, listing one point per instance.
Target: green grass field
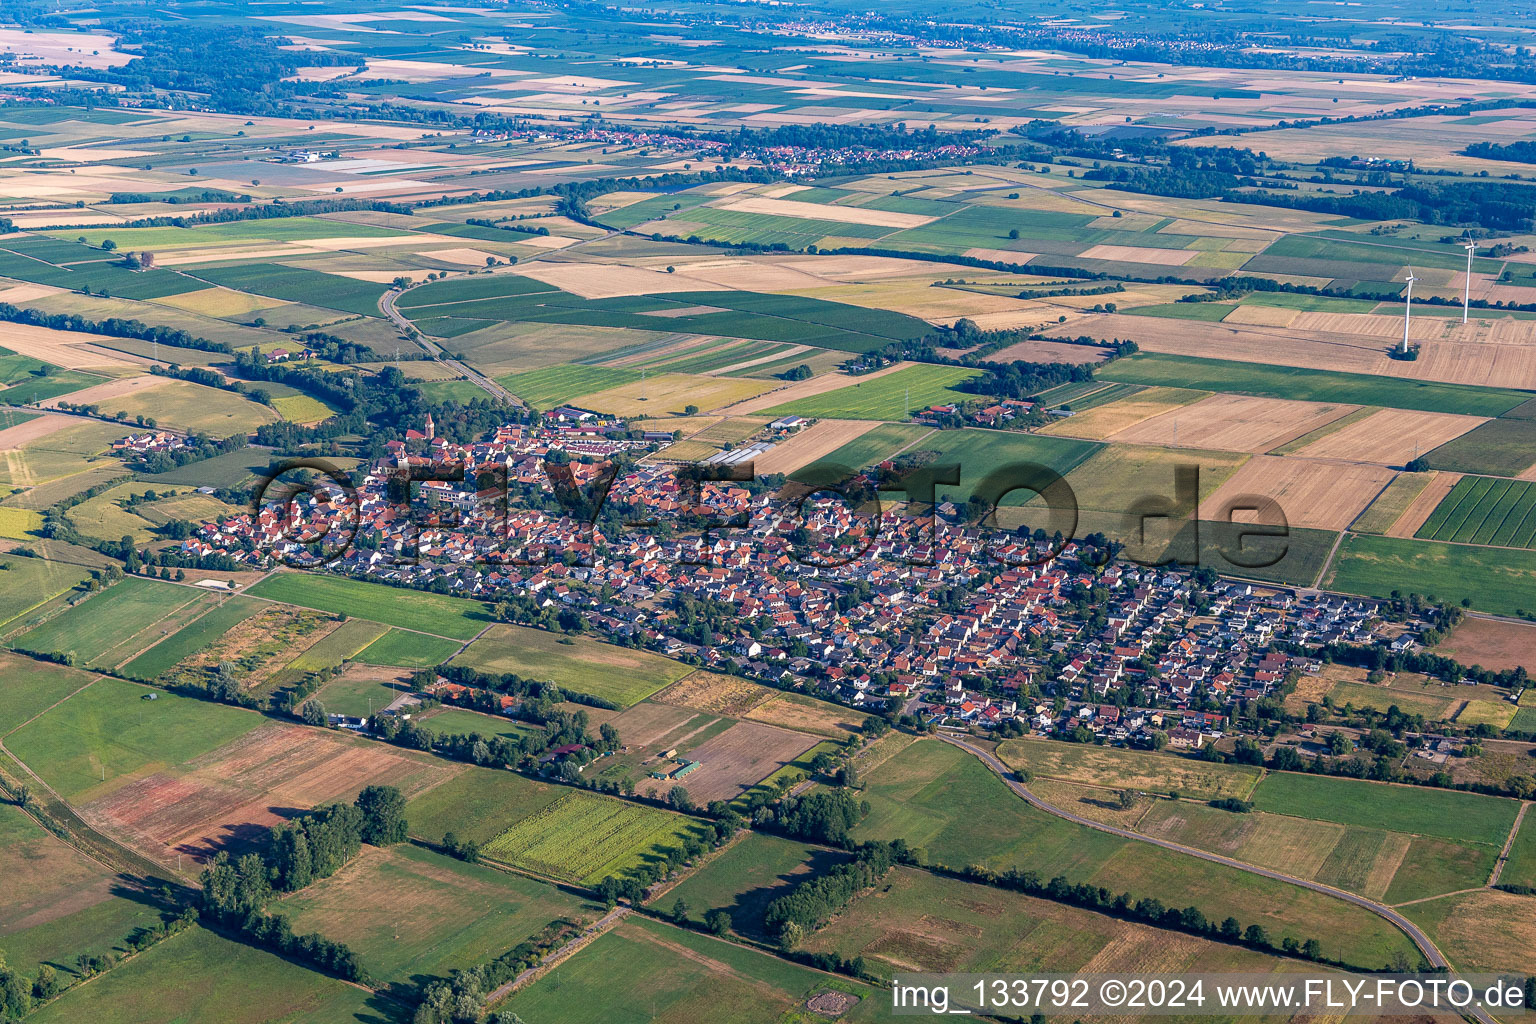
(1465, 817)
(191, 638)
(199, 976)
(1485, 510)
(584, 838)
(394, 606)
(359, 695)
(616, 674)
(1501, 447)
(26, 583)
(1129, 769)
(28, 688)
(672, 976)
(1389, 506)
(109, 730)
(105, 620)
(1310, 385)
(441, 914)
(1496, 580)
(891, 397)
(919, 921)
(58, 902)
(342, 643)
(552, 385)
(1520, 869)
(405, 649)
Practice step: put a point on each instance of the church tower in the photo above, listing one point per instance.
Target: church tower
(429, 428)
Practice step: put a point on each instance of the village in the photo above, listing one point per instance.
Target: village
(954, 625)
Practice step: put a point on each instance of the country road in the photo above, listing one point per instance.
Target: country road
(1426, 946)
(433, 349)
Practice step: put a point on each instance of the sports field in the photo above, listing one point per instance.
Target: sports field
(406, 649)
(410, 609)
(1467, 817)
(616, 674)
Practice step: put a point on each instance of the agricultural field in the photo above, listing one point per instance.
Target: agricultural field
(1485, 510)
(1116, 768)
(441, 914)
(228, 796)
(1485, 930)
(1520, 869)
(444, 616)
(202, 976)
(876, 445)
(746, 876)
(193, 408)
(1310, 385)
(109, 733)
(924, 922)
(406, 649)
(735, 760)
(191, 638)
(616, 674)
(891, 396)
(28, 688)
(1464, 817)
(952, 809)
(1492, 643)
(59, 903)
(681, 976)
(1390, 506)
(341, 644)
(27, 583)
(99, 625)
(583, 838)
(1494, 580)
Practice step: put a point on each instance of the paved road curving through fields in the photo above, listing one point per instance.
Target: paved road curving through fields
(1426, 946)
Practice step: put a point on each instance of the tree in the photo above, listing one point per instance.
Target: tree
(679, 800)
(107, 245)
(383, 810)
(680, 912)
(718, 921)
(313, 713)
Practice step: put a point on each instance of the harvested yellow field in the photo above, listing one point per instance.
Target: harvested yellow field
(1139, 254)
(12, 438)
(1104, 421)
(1422, 507)
(1261, 316)
(19, 523)
(1391, 437)
(194, 408)
(219, 302)
(1050, 352)
(1234, 423)
(714, 692)
(822, 438)
(827, 211)
(672, 392)
(1486, 930)
(1313, 495)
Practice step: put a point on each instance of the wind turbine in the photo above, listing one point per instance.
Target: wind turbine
(1466, 294)
(1408, 309)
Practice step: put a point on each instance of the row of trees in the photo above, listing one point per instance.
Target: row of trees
(816, 900)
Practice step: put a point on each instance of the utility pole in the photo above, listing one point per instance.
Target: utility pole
(1408, 309)
(1466, 294)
